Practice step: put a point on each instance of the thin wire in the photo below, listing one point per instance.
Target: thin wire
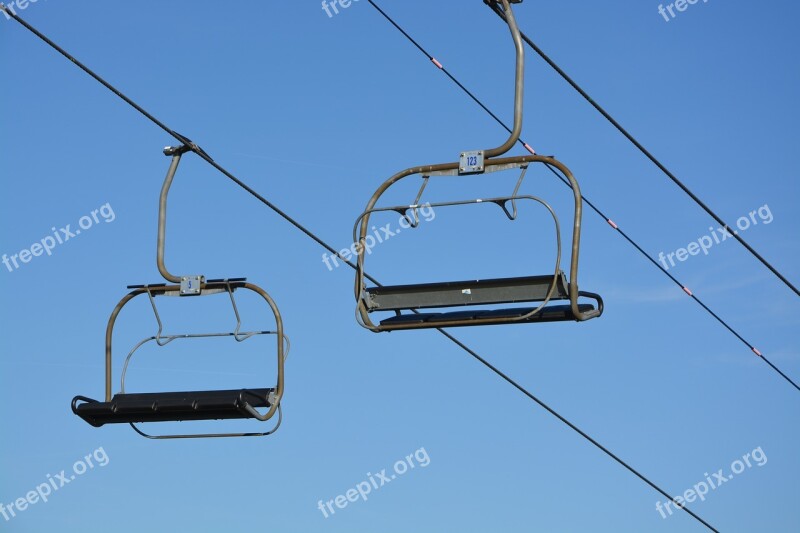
(573, 426)
(494, 7)
(691, 294)
(205, 156)
(590, 204)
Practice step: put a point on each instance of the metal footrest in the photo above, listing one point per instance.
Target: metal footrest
(552, 313)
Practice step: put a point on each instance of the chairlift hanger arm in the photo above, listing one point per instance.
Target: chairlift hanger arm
(519, 82)
(176, 153)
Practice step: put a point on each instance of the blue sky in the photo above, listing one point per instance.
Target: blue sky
(314, 112)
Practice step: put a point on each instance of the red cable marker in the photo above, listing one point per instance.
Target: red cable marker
(436, 62)
(687, 291)
(755, 351)
(612, 224)
(528, 147)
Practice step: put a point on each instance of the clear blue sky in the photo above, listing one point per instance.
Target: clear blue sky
(314, 112)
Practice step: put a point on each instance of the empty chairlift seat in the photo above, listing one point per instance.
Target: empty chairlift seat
(223, 404)
(183, 406)
(485, 292)
(417, 299)
(493, 301)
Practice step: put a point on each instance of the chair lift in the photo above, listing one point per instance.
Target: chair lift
(429, 296)
(133, 408)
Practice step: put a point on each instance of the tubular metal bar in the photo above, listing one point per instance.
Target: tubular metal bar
(499, 201)
(170, 338)
(417, 320)
(519, 85)
(176, 154)
(212, 435)
(428, 170)
(208, 287)
(415, 205)
(513, 215)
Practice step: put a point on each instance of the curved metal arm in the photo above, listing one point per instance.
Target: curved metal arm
(518, 86)
(176, 154)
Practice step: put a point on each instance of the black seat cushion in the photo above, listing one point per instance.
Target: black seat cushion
(170, 406)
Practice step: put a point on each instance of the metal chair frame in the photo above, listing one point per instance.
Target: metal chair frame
(476, 162)
(189, 286)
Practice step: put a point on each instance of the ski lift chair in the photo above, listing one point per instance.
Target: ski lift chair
(407, 301)
(133, 408)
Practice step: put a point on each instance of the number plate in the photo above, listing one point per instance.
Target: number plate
(471, 162)
(190, 285)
